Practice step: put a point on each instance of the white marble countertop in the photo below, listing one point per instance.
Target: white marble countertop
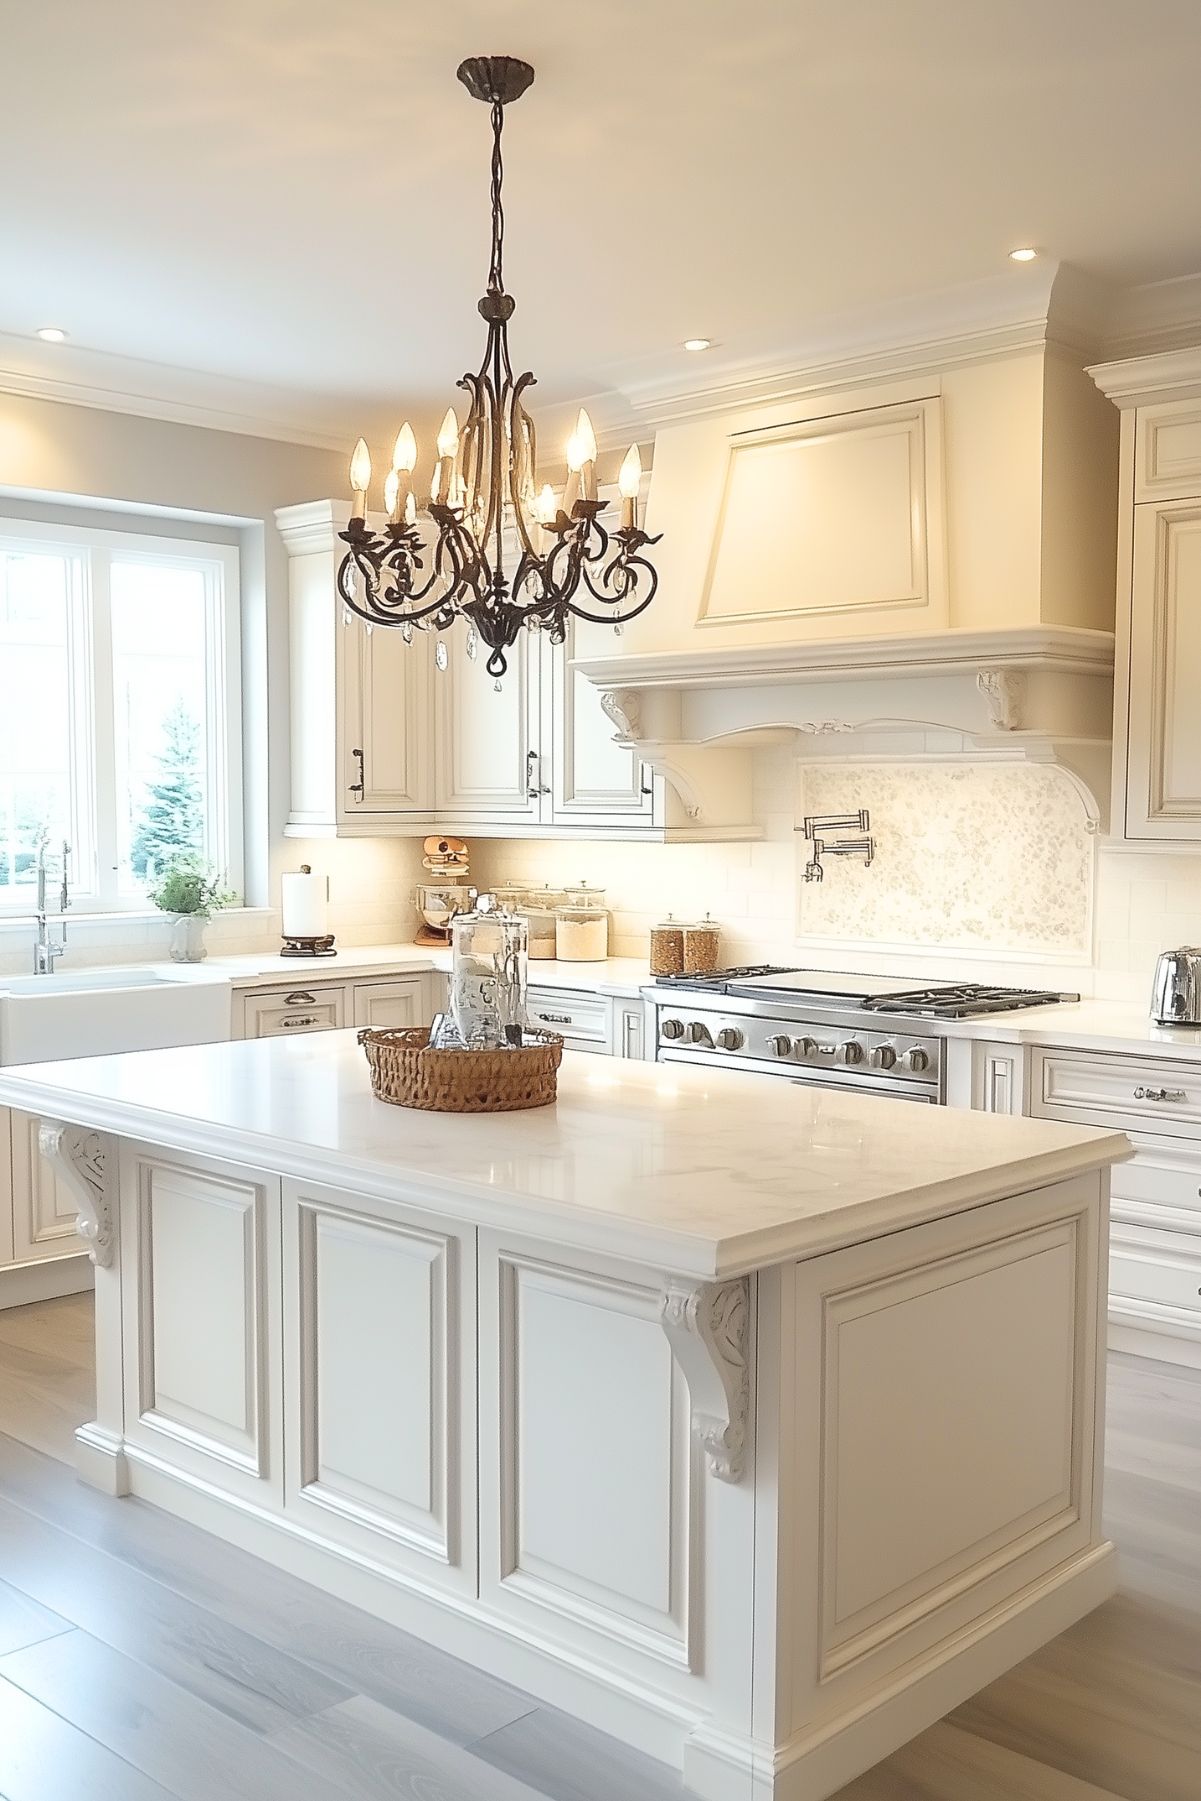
(1098, 1025)
(704, 1176)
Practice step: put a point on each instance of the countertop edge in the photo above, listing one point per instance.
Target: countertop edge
(692, 1256)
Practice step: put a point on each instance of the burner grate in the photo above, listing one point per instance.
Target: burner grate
(965, 1000)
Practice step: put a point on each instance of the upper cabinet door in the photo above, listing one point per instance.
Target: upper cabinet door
(387, 745)
(595, 782)
(1163, 771)
(489, 753)
(1168, 451)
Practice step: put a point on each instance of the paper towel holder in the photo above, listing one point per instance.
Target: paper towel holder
(296, 944)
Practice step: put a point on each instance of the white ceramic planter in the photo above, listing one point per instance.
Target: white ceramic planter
(187, 937)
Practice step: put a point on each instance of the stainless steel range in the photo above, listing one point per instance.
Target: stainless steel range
(843, 1031)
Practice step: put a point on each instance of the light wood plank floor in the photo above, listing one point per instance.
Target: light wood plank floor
(142, 1660)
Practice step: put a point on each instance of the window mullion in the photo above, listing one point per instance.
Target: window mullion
(104, 754)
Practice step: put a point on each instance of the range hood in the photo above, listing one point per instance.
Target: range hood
(1036, 694)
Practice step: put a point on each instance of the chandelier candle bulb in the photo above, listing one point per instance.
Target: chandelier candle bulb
(629, 481)
(587, 442)
(392, 495)
(448, 453)
(360, 477)
(404, 456)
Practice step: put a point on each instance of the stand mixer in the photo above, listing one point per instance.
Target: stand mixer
(440, 899)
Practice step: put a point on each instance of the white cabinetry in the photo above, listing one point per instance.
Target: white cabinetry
(1155, 1206)
(383, 742)
(327, 1006)
(1157, 727)
(41, 1253)
(488, 750)
(360, 744)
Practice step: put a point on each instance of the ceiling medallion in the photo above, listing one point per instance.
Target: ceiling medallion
(484, 501)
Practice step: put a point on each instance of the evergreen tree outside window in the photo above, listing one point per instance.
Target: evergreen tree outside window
(172, 819)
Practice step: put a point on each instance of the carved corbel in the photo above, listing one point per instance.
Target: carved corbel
(708, 1327)
(1004, 691)
(623, 706)
(78, 1157)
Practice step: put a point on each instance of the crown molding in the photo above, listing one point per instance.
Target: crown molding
(1159, 316)
(1138, 380)
(135, 401)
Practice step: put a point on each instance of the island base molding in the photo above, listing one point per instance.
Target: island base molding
(765, 1528)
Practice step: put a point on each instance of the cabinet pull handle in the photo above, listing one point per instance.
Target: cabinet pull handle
(301, 1019)
(302, 998)
(1160, 1094)
(359, 787)
(555, 1019)
(533, 787)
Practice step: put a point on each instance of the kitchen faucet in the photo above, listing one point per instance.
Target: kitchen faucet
(45, 951)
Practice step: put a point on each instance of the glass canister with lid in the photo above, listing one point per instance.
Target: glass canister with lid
(702, 947)
(582, 926)
(667, 947)
(488, 976)
(539, 907)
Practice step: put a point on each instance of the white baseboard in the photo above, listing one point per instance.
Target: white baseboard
(1161, 1346)
(23, 1283)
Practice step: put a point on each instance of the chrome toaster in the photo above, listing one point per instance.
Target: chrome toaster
(1176, 995)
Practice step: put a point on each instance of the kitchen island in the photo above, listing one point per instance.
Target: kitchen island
(758, 1426)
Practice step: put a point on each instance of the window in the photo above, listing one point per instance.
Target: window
(119, 709)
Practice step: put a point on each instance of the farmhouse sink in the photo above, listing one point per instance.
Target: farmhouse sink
(92, 1012)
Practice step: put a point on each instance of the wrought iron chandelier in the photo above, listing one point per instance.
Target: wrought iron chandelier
(483, 499)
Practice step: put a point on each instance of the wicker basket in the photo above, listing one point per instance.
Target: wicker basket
(406, 1073)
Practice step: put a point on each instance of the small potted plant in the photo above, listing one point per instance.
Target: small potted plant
(190, 892)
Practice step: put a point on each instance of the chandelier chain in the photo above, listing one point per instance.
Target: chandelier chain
(496, 278)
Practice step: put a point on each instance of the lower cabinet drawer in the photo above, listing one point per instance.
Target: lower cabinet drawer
(581, 1018)
(1151, 1271)
(273, 1014)
(1159, 1187)
(1143, 1093)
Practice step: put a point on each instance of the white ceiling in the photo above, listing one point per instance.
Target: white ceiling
(293, 193)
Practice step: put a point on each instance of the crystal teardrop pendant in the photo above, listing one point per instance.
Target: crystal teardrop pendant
(441, 657)
(473, 642)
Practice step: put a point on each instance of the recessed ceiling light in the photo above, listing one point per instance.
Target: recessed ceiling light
(697, 343)
(1023, 254)
(51, 334)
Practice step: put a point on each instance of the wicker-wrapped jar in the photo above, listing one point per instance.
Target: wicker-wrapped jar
(407, 1073)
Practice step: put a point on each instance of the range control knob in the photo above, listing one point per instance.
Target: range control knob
(884, 1057)
(699, 1032)
(851, 1052)
(780, 1046)
(730, 1039)
(917, 1059)
(806, 1047)
(672, 1028)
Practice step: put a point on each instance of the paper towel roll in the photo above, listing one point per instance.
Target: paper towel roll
(305, 904)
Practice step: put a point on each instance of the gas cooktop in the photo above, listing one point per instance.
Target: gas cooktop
(874, 994)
